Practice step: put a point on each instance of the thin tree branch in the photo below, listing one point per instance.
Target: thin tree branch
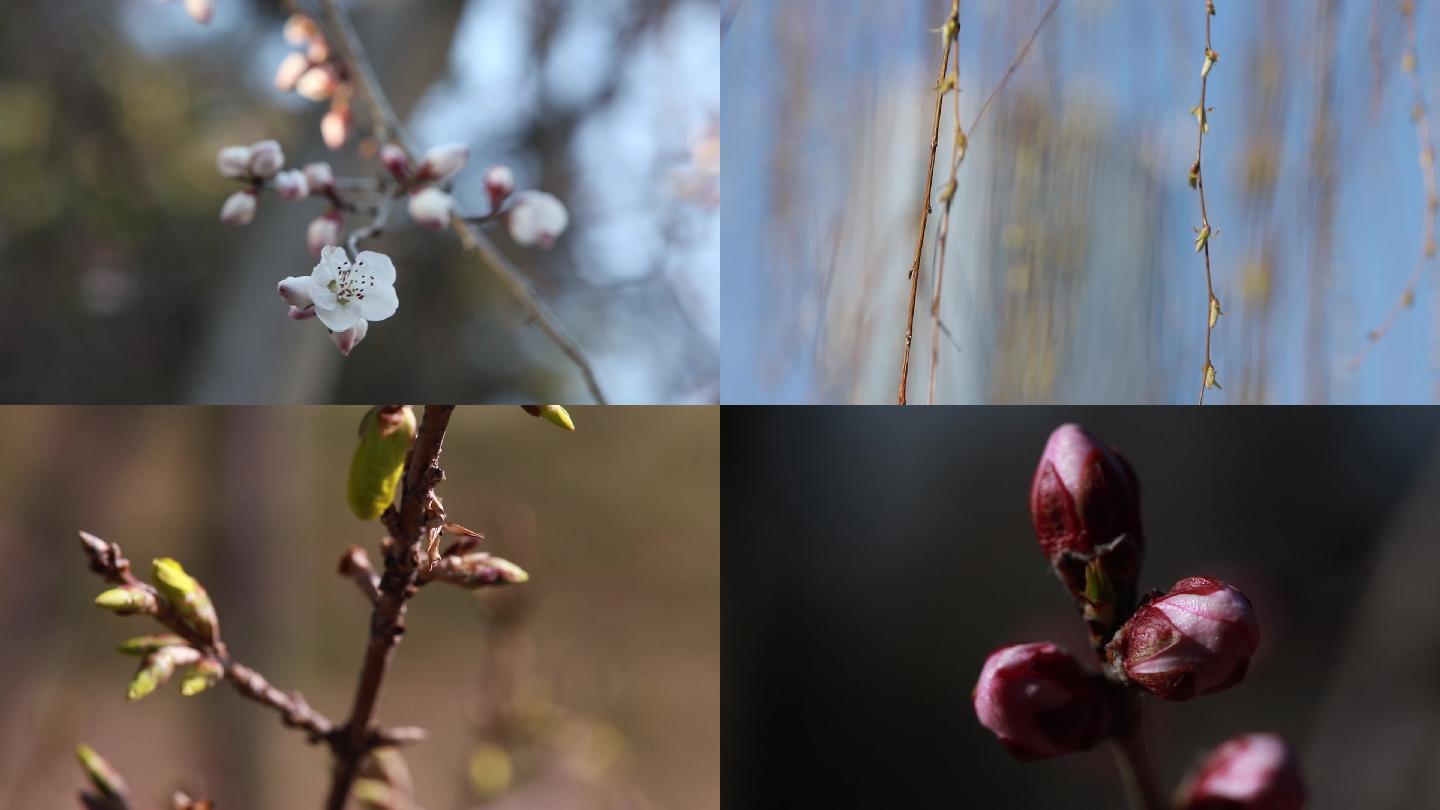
(1420, 114)
(947, 195)
(1197, 181)
(408, 526)
(1132, 757)
(1014, 65)
(107, 562)
(388, 126)
(949, 31)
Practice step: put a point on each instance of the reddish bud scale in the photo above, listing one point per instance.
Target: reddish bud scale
(1085, 505)
(1251, 772)
(1040, 702)
(1195, 640)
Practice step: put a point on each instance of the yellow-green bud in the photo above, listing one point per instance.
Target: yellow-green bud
(379, 461)
(186, 596)
(104, 777)
(201, 676)
(144, 645)
(157, 667)
(554, 414)
(126, 600)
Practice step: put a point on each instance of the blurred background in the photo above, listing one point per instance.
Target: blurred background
(877, 558)
(125, 287)
(1070, 272)
(594, 686)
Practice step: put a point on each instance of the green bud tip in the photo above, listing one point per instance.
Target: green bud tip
(101, 774)
(144, 645)
(200, 677)
(172, 580)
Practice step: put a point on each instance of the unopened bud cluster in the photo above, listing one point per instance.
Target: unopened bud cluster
(1196, 639)
(181, 602)
(315, 73)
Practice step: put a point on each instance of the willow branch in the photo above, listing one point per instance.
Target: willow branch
(1197, 181)
(407, 526)
(1420, 114)
(947, 196)
(387, 126)
(949, 32)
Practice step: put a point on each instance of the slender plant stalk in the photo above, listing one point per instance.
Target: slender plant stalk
(947, 196)
(1132, 758)
(407, 527)
(387, 126)
(1197, 181)
(1420, 114)
(948, 32)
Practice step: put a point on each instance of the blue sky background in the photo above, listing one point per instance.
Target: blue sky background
(1137, 63)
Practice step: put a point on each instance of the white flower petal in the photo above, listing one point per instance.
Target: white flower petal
(338, 319)
(377, 265)
(379, 303)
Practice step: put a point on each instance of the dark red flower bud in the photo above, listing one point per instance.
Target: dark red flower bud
(1196, 639)
(1085, 503)
(1040, 702)
(1251, 772)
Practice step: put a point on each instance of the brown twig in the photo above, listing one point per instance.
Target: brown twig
(387, 126)
(107, 562)
(1014, 65)
(949, 33)
(1132, 757)
(1197, 181)
(409, 532)
(1420, 113)
(947, 196)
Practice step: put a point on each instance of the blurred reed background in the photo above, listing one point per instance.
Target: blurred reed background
(1071, 274)
(595, 685)
(878, 556)
(124, 286)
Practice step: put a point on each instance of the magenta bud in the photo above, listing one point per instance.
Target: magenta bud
(1040, 702)
(1250, 772)
(395, 160)
(1196, 639)
(1085, 504)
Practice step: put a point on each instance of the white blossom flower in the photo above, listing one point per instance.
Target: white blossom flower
(443, 161)
(295, 290)
(317, 84)
(348, 339)
(266, 158)
(292, 185)
(320, 176)
(335, 126)
(537, 219)
(430, 208)
(239, 208)
(499, 183)
(201, 11)
(233, 162)
(292, 67)
(323, 230)
(345, 294)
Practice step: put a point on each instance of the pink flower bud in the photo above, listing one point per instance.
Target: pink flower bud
(266, 158)
(537, 219)
(292, 185)
(335, 126)
(346, 340)
(323, 231)
(499, 183)
(295, 290)
(1040, 702)
(201, 11)
(292, 67)
(443, 161)
(1196, 639)
(395, 160)
(298, 314)
(319, 176)
(299, 29)
(1251, 772)
(233, 162)
(319, 49)
(239, 208)
(430, 208)
(1085, 504)
(318, 83)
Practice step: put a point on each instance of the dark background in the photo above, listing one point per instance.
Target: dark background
(874, 558)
